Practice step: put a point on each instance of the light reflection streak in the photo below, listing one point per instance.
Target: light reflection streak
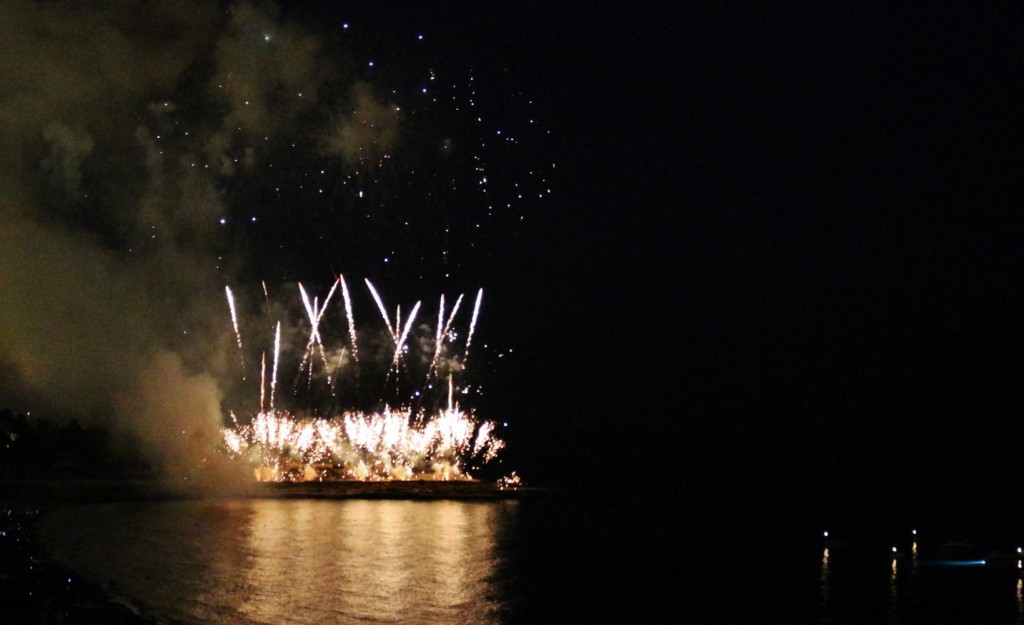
(894, 597)
(826, 591)
(259, 561)
(1020, 600)
(378, 561)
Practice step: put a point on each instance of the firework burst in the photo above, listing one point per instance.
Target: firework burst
(399, 441)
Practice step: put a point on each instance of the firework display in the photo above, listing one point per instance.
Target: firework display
(407, 439)
(250, 154)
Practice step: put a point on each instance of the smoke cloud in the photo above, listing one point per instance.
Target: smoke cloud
(119, 124)
(366, 132)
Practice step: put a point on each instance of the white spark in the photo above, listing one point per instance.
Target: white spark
(234, 322)
(348, 313)
(472, 324)
(277, 354)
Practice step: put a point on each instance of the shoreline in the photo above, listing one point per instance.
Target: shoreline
(44, 492)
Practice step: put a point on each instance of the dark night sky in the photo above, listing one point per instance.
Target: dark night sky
(783, 244)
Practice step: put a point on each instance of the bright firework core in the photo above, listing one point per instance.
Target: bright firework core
(405, 441)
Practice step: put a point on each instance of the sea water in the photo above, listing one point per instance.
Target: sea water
(254, 561)
(301, 562)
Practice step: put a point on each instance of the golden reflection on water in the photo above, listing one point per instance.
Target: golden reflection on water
(894, 596)
(297, 562)
(1020, 599)
(826, 593)
(382, 561)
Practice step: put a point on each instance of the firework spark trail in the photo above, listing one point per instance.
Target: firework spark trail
(277, 354)
(442, 333)
(234, 323)
(393, 329)
(319, 316)
(440, 317)
(437, 338)
(315, 313)
(312, 337)
(327, 300)
(400, 342)
(397, 443)
(380, 306)
(472, 325)
(309, 350)
(348, 313)
(263, 378)
(451, 317)
(266, 295)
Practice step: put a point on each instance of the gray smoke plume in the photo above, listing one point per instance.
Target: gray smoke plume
(111, 289)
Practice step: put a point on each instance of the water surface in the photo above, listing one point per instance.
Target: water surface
(297, 561)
